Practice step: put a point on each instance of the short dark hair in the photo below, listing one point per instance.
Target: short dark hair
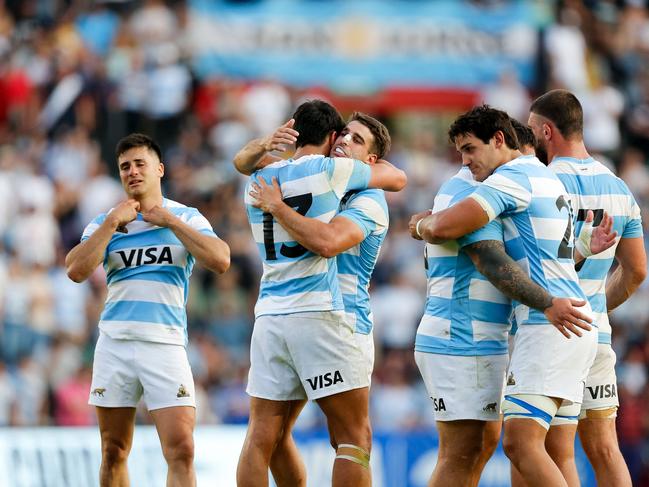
(137, 140)
(484, 121)
(315, 120)
(563, 109)
(524, 134)
(382, 140)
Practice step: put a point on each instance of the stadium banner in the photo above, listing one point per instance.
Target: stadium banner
(70, 457)
(365, 45)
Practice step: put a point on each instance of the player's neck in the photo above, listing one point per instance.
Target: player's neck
(149, 201)
(569, 148)
(309, 150)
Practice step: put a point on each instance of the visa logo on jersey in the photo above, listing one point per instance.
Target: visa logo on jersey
(151, 255)
(325, 380)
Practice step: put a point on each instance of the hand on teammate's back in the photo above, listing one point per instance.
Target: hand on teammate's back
(565, 316)
(603, 237)
(125, 212)
(267, 197)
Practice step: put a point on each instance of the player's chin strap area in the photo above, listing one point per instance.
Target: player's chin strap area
(354, 454)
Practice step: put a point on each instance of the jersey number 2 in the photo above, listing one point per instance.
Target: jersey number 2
(565, 251)
(301, 203)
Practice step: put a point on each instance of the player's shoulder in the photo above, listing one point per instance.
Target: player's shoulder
(178, 208)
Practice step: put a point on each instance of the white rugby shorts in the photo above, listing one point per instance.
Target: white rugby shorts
(305, 356)
(601, 385)
(366, 344)
(464, 387)
(546, 363)
(125, 370)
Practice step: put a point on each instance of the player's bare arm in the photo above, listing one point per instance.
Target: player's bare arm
(325, 239)
(256, 153)
(211, 252)
(387, 177)
(508, 277)
(593, 240)
(449, 224)
(631, 271)
(84, 258)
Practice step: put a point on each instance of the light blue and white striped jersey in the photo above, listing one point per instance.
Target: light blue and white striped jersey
(465, 314)
(592, 186)
(369, 210)
(537, 219)
(295, 279)
(147, 272)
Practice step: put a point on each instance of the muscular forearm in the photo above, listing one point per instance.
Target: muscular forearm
(248, 158)
(620, 286)
(211, 252)
(83, 259)
(311, 234)
(507, 276)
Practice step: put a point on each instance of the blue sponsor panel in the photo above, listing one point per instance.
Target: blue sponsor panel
(365, 45)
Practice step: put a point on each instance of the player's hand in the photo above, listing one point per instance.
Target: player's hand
(158, 216)
(603, 236)
(414, 219)
(267, 197)
(125, 213)
(565, 316)
(283, 137)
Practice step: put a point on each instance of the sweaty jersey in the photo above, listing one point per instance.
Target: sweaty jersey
(465, 314)
(592, 186)
(537, 221)
(147, 273)
(369, 211)
(295, 279)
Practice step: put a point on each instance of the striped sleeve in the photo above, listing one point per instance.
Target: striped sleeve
(633, 227)
(506, 190)
(92, 227)
(346, 174)
(367, 213)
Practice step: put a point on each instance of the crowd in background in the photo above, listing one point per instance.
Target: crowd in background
(77, 76)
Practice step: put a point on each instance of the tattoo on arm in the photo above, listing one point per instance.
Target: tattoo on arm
(506, 275)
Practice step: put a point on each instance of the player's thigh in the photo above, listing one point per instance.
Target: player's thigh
(325, 353)
(116, 427)
(461, 438)
(175, 426)
(347, 413)
(598, 434)
(268, 418)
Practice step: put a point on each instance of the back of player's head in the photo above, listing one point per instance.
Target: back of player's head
(483, 122)
(132, 141)
(315, 120)
(524, 134)
(382, 140)
(563, 109)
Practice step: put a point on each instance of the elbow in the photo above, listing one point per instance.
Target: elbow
(639, 275)
(221, 261)
(327, 251)
(74, 275)
(398, 182)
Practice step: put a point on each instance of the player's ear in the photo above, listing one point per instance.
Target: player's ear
(372, 158)
(161, 169)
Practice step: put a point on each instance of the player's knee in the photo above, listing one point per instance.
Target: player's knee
(602, 451)
(114, 452)
(180, 451)
(359, 434)
(465, 453)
